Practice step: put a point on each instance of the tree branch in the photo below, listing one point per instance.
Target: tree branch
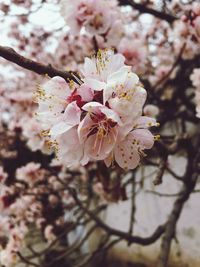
(111, 231)
(144, 9)
(187, 189)
(11, 55)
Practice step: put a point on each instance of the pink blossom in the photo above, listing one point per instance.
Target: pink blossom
(187, 30)
(134, 51)
(32, 132)
(96, 70)
(31, 173)
(95, 16)
(52, 100)
(86, 122)
(59, 107)
(8, 257)
(98, 130)
(69, 150)
(151, 110)
(125, 95)
(128, 151)
(115, 33)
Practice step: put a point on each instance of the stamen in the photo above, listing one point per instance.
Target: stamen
(156, 137)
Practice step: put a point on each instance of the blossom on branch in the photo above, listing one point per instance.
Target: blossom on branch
(96, 16)
(101, 119)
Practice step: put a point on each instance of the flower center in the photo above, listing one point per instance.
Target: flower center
(102, 125)
(97, 21)
(75, 97)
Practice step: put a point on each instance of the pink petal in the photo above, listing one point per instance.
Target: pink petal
(99, 148)
(94, 84)
(86, 93)
(57, 86)
(127, 155)
(144, 136)
(70, 150)
(60, 128)
(89, 67)
(144, 122)
(84, 128)
(72, 114)
(92, 106)
(70, 118)
(139, 97)
(110, 114)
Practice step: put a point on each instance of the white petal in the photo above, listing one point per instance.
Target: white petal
(89, 67)
(72, 114)
(60, 128)
(117, 77)
(126, 155)
(145, 138)
(94, 84)
(92, 106)
(144, 122)
(110, 114)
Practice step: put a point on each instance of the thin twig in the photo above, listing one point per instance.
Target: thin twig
(187, 189)
(133, 206)
(111, 231)
(23, 259)
(161, 169)
(162, 194)
(164, 79)
(144, 9)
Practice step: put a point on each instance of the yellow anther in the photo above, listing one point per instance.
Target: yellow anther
(45, 133)
(156, 137)
(71, 84)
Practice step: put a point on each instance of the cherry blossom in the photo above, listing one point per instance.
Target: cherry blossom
(96, 70)
(129, 149)
(31, 173)
(125, 95)
(151, 110)
(89, 121)
(95, 16)
(135, 52)
(187, 30)
(98, 130)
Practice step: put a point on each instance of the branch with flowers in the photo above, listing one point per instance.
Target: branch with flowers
(113, 109)
(11, 55)
(143, 8)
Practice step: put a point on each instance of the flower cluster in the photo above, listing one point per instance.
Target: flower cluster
(187, 30)
(101, 119)
(96, 16)
(36, 200)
